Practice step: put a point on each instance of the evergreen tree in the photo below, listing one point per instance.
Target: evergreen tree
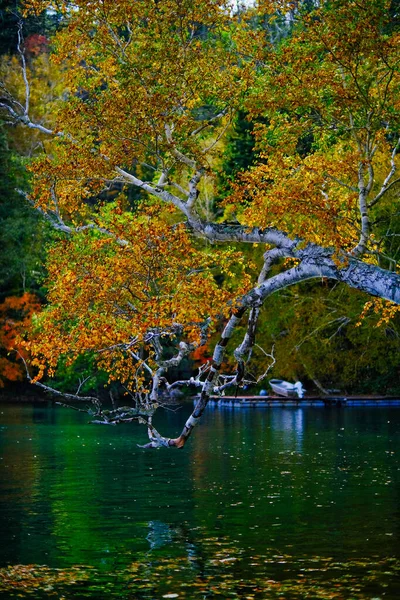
(21, 232)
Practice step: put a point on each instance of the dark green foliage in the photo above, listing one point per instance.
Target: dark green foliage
(10, 10)
(21, 230)
(239, 154)
(8, 26)
(69, 377)
(319, 338)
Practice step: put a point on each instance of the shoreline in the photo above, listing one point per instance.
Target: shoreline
(324, 401)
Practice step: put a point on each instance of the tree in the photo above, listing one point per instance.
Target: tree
(35, 26)
(156, 86)
(23, 235)
(15, 315)
(321, 339)
(21, 231)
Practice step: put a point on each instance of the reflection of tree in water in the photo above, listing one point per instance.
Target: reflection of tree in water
(289, 425)
(159, 535)
(214, 568)
(182, 561)
(181, 537)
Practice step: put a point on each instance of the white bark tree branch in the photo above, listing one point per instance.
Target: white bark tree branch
(387, 184)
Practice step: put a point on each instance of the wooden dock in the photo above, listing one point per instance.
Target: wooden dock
(280, 401)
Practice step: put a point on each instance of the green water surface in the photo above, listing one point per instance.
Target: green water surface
(261, 503)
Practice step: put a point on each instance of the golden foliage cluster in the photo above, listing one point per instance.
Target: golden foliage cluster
(104, 295)
(16, 314)
(141, 80)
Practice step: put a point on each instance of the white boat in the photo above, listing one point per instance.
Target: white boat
(284, 388)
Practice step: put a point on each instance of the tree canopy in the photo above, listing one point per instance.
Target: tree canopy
(150, 91)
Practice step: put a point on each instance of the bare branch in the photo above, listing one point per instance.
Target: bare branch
(271, 257)
(210, 122)
(387, 184)
(23, 62)
(193, 190)
(219, 136)
(154, 191)
(175, 152)
(53, 391)
(364, 190)
(81, 383)
(56, 221)
(24, 119)
(343, 321)
(352, 188)
(156, 440)
(272, 357)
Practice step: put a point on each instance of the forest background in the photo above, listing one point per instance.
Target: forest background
(328, 336)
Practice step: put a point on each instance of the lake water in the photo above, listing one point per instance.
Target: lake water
(261, 503)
